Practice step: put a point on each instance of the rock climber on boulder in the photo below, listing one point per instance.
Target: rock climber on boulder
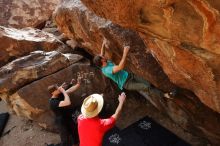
(121, 77)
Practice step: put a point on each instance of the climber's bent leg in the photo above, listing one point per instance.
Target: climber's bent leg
(139, 84)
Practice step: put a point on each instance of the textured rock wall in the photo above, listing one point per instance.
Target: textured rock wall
(187, 68)
(79, 24)
(173, 42)
(19, 42)
(36, 96)
(24, 82)
(182, 34)
(26, 13)
(38, 64)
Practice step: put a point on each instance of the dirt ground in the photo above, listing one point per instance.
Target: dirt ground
(24, 132)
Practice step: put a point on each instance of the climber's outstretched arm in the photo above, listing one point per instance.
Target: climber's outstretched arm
(121, 65)
(103, 47)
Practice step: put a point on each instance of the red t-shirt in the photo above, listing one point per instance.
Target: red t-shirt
(92, 130)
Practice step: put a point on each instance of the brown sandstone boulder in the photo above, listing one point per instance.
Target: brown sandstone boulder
(27, 69)
(26, 13)
(88, 30)
(183, 36)
(186, 110)
(24, 82)
(19, 42)
(31, 101)
(91, 84)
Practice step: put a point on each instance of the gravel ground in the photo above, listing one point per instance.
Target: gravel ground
(24, 132)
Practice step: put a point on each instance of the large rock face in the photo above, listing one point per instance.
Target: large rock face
(88, 30)
(20, 42)
(38, 64)
(26, 13)
(183, 36)
(187, 65)
(31, 101)
(24, 83)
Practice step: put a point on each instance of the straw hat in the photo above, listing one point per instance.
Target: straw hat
(92, 105)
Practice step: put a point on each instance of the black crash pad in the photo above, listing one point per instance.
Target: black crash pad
(145, 132)
(112, 138)
(3, 121)
(53, 144)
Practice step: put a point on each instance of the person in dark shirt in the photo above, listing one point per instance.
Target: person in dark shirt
(59, 104)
